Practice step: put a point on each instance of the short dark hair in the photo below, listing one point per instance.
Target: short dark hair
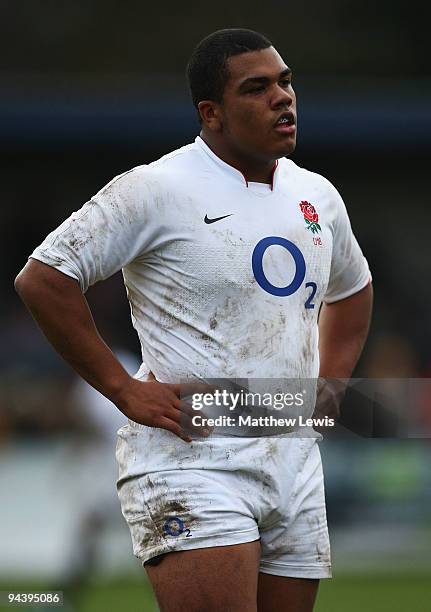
(206, 71)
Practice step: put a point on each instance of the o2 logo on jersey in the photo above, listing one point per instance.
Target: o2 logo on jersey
(300, 269)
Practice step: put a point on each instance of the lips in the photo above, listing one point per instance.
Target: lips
(285, 123)
(285, 128)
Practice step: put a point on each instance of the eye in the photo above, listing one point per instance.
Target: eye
(286, 82)
(257, 89)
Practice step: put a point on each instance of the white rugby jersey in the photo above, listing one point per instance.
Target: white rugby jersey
(224, 277)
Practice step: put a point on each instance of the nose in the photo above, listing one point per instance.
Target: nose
(282, 96)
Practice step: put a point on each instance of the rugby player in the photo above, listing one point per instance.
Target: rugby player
(228, 249)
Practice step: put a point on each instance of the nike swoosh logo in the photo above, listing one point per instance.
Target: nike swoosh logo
(216, 218)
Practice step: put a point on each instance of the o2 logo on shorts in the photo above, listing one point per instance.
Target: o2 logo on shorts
(174, 526)
(300, 269)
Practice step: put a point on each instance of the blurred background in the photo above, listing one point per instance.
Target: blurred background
(91, 89)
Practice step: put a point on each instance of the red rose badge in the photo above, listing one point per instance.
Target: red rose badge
(310, 216)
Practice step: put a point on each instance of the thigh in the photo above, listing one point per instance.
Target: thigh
(282, 594)
(208, 579)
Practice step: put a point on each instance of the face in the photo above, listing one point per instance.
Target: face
(257, 116)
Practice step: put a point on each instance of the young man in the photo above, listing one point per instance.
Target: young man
(227, 250)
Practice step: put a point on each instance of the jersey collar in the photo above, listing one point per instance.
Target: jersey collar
(230, 170)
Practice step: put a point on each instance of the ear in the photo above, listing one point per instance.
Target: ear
(210, 113)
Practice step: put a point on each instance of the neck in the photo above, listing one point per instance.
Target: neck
(254, 170)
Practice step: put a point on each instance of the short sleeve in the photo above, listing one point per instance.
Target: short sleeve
(349, 269)
(108, 232)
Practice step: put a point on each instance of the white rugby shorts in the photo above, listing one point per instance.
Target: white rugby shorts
(224, 491)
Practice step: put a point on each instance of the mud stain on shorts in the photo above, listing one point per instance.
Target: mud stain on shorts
(323, 551)
(172, 518)
(271, 449)
(280, 549)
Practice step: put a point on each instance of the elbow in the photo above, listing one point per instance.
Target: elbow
(26, 282)
(23, 286)
(19, 283)
(39, 282)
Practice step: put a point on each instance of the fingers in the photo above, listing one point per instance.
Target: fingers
(330, 393)
(184, 407)
(164, 408)
(175, 428)
(188, 413)
(185, 420)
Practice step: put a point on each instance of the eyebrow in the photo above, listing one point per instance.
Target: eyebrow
(264, 79)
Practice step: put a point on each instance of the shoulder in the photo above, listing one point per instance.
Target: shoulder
(183, 157)
(306, 178)
(315, 190)
(177, 168)
(151, 180)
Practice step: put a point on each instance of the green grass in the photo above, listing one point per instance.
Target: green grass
(394, 593)
(124, 596)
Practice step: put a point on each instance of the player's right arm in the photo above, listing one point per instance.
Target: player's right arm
(119, 225)
(57, 304)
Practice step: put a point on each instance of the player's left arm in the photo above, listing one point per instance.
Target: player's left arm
(343, 329)
(346, 311)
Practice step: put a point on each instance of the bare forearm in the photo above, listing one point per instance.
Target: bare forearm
(343, 329)
(58, 306)
(62, 312)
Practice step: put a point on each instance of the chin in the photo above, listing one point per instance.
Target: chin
(287, 149)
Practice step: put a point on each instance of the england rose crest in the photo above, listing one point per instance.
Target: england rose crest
(310, 216)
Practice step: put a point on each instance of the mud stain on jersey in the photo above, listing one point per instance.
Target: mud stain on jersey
(121, 196)
(79, 242)
(308, 350)
(176, 309)
(308, 354)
